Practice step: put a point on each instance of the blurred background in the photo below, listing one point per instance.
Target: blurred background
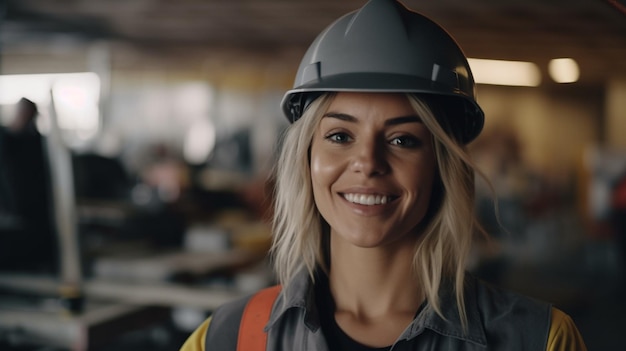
(133, 200)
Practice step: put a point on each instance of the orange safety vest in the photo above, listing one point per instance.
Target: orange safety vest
(257, 312)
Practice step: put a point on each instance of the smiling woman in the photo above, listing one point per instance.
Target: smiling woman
(372, 169)
(374, 201)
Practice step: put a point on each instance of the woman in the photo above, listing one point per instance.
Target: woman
(374, 205)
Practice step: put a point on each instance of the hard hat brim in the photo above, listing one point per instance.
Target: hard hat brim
(388, 83)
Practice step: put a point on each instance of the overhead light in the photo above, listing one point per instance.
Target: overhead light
(500, 72)
(564, 70)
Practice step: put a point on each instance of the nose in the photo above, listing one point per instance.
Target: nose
(369, 158)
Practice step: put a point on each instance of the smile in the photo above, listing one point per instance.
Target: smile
(367, 199)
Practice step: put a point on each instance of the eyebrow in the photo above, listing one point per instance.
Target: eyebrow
(389, 122)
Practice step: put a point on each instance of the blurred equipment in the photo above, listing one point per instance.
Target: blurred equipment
(607, 213)
(26, 202)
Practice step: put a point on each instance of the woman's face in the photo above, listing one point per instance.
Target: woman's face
(372, 168)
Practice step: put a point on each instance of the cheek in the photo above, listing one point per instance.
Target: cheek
(324, 169)
(424, 173)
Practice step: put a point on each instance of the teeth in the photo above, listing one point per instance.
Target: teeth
(368, 200)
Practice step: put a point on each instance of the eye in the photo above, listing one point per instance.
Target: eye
(339, 138)
(406, 141)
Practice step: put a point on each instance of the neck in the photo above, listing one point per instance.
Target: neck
(374, 281)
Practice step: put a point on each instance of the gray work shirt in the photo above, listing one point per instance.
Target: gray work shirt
(497, 320)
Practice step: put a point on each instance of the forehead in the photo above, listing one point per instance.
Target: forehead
(367, 104)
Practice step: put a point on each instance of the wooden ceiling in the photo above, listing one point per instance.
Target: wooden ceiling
(591, 31)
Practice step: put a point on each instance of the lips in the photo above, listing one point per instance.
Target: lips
(368, 199)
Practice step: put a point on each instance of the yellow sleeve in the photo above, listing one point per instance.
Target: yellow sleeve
(563, 335)
(195, 342)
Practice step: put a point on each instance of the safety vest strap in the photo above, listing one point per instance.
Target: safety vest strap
(255, 316)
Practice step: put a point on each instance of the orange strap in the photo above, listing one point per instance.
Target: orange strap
(252, 337)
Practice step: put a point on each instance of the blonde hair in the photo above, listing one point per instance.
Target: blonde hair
(445, 242)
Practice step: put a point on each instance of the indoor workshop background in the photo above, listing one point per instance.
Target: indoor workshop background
(160, 122)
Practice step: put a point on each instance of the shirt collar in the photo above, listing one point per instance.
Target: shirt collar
(300, 294)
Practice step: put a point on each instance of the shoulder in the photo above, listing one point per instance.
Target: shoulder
(510, 318)
(220, 330)
(564, 336)
(496, 303)
(224, 328)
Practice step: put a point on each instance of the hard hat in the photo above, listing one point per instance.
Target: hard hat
(385, 47)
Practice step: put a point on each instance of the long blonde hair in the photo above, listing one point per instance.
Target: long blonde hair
(445, 241)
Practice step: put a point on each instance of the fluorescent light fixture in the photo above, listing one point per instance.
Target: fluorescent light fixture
(564, 70)
(499, 72)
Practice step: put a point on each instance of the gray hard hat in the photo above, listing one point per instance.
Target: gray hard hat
(385, 47)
